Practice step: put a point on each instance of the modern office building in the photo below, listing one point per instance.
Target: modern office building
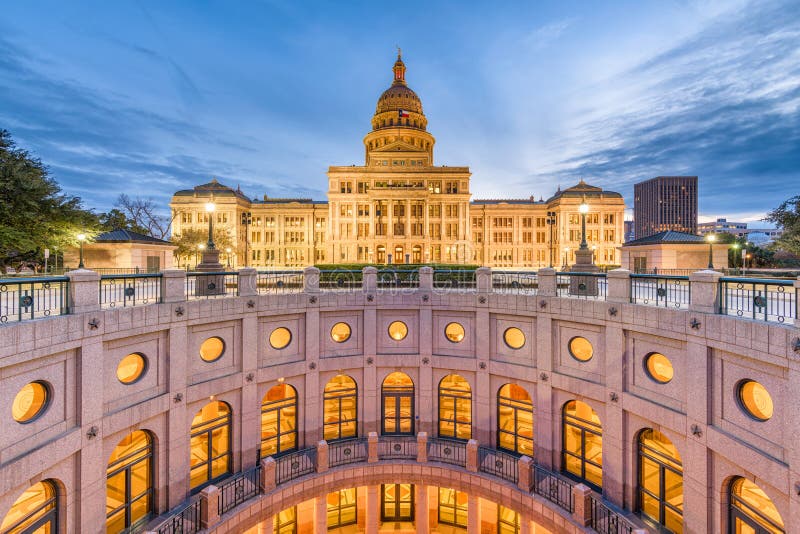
(665, 203)
(399, 207)
(740, 229)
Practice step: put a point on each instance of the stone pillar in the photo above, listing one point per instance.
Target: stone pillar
(369, 279)
(173, 285)
(84, 291)
(422, 447)
(421, 521)
(426, 279)
(247, 282)
(524, 524)
(525, 470)
(483, 279)
(373, 510)
(472, 456)
(704, 291)
(311, 280)
(372, 447)
(265, 526)
(473, 514)
(322, 456)
(267, 476)
(581, 495)
(321, 514)
(619, 285)
(547, 282)
(209, 506)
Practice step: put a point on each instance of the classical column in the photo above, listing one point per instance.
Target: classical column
(321, 515)
(422, 523)
(265, 526)
(373, 510)
(473, 514)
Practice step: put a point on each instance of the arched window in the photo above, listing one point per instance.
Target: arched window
(278, 421)
(455, 408)
(397, 399)
(35, 511)
(210, 444)
(582, 443)
(515, 420)
(660, 480)
(751, 511)
(340, 408)
(129, 482)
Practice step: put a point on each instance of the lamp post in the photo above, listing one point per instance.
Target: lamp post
(81, 239)
(210, 207)
(247, 220)
(594, 252)
(200, 248)
(551, 222)
(584, 209)
(711, 238)
(228, 256)
(566, 257)
(735, 248)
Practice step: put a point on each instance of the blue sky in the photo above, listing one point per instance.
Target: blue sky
(147, 97)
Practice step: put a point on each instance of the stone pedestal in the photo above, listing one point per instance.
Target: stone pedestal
(84, 291)
(585, 286)
(173, 285)
(619, 285)
(209, 285)
(546, 279)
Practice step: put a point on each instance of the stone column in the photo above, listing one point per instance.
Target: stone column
(321, 514)
(421, 523)
(483, 279)
(422, 447)
(473, 514)
(373, 510)
(525, 470)
(372, 447)
(311, 280)
(472, 456)
(582, 513)
(705, 291)
(322, 456)
(265, 526)
(84, 291)
(547, 282)
(209, 506)
(247, 282)
(267, 476)
(619, 285)
(173, 285)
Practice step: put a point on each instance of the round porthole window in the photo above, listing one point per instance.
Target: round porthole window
(131, 368)
(340, 332)
(580, 348)
(398, 330)
(454, 332)
(280, 338)
(658, 367)
(30, 402)
(212, 349)
(755, 400)
(514, 337)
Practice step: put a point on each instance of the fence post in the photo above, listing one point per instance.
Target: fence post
(525, 473)
(247, 282)
(267, 477)
(472, 456)
(209, 506)
(797, 299)
(84, 291)
(372, 447)
(619, 285)
(311, 280)
(369, 279)
(173, 285)
(547, 282)
(704, 291)
(483, 279)
(422, 447)
(582, 496)
(426, 279)
(322, 456)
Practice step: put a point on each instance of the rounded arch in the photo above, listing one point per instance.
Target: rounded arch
(455, 407)
(660, 480)
(279, 392)
(130, 484)
(35, 510)
(514, 419)
(750, 509)
(582, 443)
(210, 446)
(279, 421)
(397, 379)
(455, 381)
(340, 382)
(397, 405)
(340, 408)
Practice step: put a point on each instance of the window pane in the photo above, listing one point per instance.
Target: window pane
(219, 467)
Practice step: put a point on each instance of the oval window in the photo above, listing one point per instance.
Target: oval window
(514, 337)
(340, 332)
(755, 399)
(580, 349)
(131, 368)
(658, 367)
(398, 330)
(30, 402)
(212, 349)
(454, 332)
(280, 338)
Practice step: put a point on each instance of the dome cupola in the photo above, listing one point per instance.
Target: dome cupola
(399, 105)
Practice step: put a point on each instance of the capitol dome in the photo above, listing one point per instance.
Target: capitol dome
(399, 96)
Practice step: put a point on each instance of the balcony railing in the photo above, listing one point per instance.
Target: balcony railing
(397, 279)
(762, 299)
(341, 280)
(447, 451)
(294, 465)
(186, 519)
(455, 279)
(345, 452)
(123, 290)
(553, 487)
(33, 298)
(515, 282)
(498, 463)
(397, 448)
(237, 489)
(208, 285)
(275, 282)
(582, 285)
(605, 520)
(657, 290)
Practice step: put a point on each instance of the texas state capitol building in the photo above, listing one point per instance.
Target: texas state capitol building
(401, 208)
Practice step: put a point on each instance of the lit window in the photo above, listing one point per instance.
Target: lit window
(212, 349)
(397, 398)
(129, 483)
(280, 338)
(660, 480)
(131, 368)
(454, 332)
(397, 502)
(398, 330)
(342, 508)
(582, 443)
(210, 445)
(658, 367)
(340, 332)
(455, 408)
(751, 510)
(514, 338)
(514, 420)
(35, 511)
(278, 421)
(755, 400)
(30, 402)
(507, 520)
(286, 521)
(340, 408)
(580, 349)
(453, 507)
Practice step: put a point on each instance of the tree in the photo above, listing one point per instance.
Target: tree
(787, 217)
(143, 213)
(117, 220)
(34, 213)
(189, 240)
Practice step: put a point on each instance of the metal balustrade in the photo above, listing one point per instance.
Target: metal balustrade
(582, 285)
(657, 290)
(294, 465)
(553, 487)
(348, 451)
(237, 489)
(515, 282)
(454, 279)
(448, 451)
(33, 298)
(185, 521)
(208, 285)
(397, 279)
(498, 463)
(341, 280)
(397, 448)
(122, 290)
(605, 520)
(760, 299)
(275, 282)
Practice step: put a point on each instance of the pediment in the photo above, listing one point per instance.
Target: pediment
(399, 146)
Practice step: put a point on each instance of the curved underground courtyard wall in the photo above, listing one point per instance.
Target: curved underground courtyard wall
(91, 411)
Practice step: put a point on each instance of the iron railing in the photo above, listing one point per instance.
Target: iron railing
(340, 280)
(33, 298)
(295, 465)
(606, 520)
(582, 285)
(454, 279)
(122, 290)
(515, 282)
(347, 451)
(448, 451)
(185, 521)
(498, 463)
(237, 489)
(554, 488)
(657, 290)
(762, 299)
(269, 282)
(397, 279)
(208, 285)
(397, 448)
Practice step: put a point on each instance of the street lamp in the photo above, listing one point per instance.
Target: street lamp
(551, 222)
(594, 252)
(735, 248)
(247, 220)
(81, 239)
(566, 256)
(228, 256)
(200, 247)
(210, 207)
(584, 209)
(711, 238)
